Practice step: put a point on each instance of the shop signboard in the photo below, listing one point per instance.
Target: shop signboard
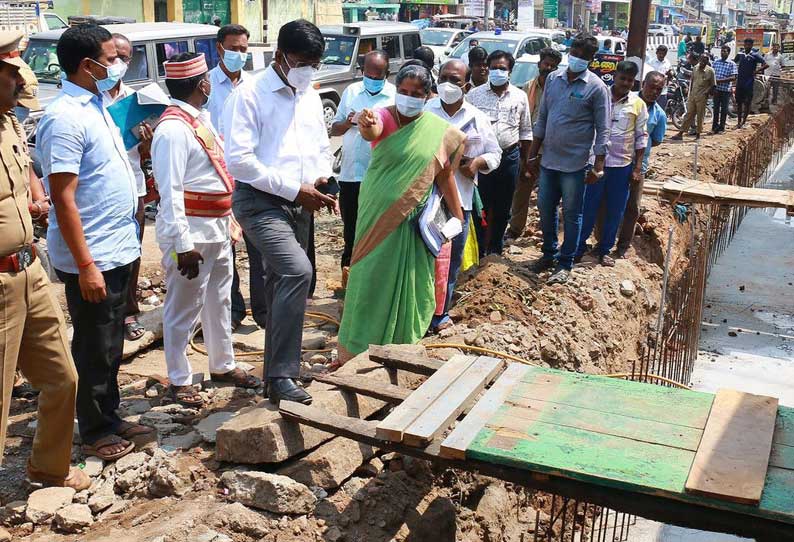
(604, 66)
(787, 46)
(665, 13)
(474, 8)
(550, 9)
(755, 34)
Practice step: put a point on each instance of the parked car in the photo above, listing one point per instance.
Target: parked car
(526, 69)
(152, 44)
(655, 29)
(441, 40)
(517, 43)
(618, 46)
(345, 47)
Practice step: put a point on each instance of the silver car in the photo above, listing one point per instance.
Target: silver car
(345, 47)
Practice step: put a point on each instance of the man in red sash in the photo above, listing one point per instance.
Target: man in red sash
(194, 229)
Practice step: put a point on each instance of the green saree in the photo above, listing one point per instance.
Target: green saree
(390, 296)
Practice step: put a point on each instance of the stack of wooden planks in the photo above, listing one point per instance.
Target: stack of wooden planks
(717, 462)
(680, 189)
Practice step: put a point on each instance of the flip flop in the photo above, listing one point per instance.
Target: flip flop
(186, 396)
(128, 430)
(238, 377)
(133, 330)
(95, 449)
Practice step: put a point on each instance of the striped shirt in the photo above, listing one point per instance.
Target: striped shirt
(723, 69)
(628, 130)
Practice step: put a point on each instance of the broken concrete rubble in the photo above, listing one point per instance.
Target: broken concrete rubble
(271, 492)
(260, 435)
(43, 503)
(329, 465)
(74, 518)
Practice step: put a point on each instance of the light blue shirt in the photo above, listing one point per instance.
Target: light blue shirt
(656, 127)
(356, 151)
(76, 135)
(222, 88)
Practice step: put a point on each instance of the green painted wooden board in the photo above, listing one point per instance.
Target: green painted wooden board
(637, 454)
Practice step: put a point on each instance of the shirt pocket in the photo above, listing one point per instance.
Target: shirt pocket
(624, 121)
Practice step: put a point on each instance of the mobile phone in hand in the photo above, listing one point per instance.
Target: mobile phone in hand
(331, 188)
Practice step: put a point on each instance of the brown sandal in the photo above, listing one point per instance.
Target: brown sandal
(95, 449)
(128, 430)
(186, 396)
(238, 377)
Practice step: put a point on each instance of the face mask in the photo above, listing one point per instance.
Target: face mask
(576, 64)
(299, 78)
(449, 93)
(206, 95)
(408, 106)
(373, 86)
(233, 60)
(114, 73)
(498, 77)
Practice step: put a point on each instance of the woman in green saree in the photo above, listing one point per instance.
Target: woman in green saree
(390, 294)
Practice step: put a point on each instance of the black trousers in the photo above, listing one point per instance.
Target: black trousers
(132, 290)
(97, 346)
(496, 190)
(722, 101)
(348, 208)
(256, 281)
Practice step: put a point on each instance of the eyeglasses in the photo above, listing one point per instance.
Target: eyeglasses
(315, 65)
(125, 59)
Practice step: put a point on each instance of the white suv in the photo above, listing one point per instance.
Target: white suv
(655, 29)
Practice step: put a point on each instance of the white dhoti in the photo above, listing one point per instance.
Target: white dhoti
(207, 296)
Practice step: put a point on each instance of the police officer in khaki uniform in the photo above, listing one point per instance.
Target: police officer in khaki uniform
(32, 331)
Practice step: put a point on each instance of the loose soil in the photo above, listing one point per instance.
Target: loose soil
(588, 325)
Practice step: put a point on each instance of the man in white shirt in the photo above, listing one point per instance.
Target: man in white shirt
(231, 44)
(278, 152)
(132, 329)
(374, 91)
(194, 230)
(662, 65)
(481, 153)
(776, 63)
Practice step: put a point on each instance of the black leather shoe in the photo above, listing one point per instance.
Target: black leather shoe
(286, 389)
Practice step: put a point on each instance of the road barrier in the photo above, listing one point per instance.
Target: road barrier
(655, 41)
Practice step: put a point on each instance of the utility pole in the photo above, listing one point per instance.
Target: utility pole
(638, 31)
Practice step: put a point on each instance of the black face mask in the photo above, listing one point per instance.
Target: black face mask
(545, 73)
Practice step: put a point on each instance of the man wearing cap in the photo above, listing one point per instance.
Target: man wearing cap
(193, 228)
(279, 154)
(133, 330)
(93, 236)
(32, 330)
(231, 44)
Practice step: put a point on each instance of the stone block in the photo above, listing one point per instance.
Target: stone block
(270, 492)
(330, 464)
(43, 503)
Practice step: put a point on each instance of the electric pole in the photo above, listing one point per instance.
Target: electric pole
(638, 31)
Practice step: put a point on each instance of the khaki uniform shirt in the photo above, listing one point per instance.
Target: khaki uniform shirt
(702, 82)
(15, 221)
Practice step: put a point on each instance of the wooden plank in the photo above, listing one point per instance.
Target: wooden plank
(614, 396)
(395, 424)
(578, 454)
(784, 426)
(652, 431)
(449, 405)
(732, 459)
(365, 386)
(782, 456)
(395, 357)
(454, 446)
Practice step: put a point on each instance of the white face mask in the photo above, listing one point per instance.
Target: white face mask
(449, 93)
(300, 78)
(408, 106)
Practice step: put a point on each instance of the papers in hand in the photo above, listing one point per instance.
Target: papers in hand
(436, 226)
(145, 105)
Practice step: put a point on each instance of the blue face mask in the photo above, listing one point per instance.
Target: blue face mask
(114, 73)
(498, 77)
(576, 64)
(374, 86)
(233, 60)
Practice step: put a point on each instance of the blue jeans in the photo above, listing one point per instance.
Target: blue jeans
(568, 187)
(455, 260)
(496, 190)
(613, 190)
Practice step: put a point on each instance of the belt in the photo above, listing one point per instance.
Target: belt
(208, 204)
(511, 148)
(18, 261)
